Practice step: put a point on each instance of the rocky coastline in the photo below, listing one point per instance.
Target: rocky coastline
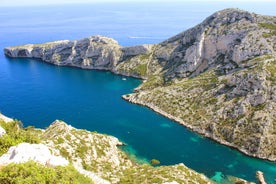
(217, 78)
(192, 128)
(94, 155)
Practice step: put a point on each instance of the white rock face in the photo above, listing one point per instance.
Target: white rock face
(2, 131)
(173, 182)
(25, 152)
(260, 177)
(91, 175)
(5, 119)
(95, 52)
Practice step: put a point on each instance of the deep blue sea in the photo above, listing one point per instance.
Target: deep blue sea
(38, 93)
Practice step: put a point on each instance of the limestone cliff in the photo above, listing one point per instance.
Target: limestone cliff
(95, 52)
(25, 152)
(223, 41)
(217, 78)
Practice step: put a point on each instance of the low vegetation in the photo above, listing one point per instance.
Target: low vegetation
(228, 107)
(155, 162)
(95, 152)
(271, 29)
(15, 134)
(271, 68)
(148, 174)
(32, 172)
(141, 69)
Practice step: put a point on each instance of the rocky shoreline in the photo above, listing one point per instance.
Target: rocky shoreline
(217, 78)
(91, 154)
(190, 127)
(50, 152)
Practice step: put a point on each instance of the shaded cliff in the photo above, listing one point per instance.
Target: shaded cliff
(217, 78)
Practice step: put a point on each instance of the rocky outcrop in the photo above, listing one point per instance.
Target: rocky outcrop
(95, 147)
(239, 114)
(91, 175)
(217, 78)
(25, 152)
(5, 119)
(95, 52)
(173, 182)
(2, 131)
(222, 41)
(94, 155)
(98, 156)
(260, 177)
(132, 51)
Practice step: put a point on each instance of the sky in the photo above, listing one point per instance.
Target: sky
(45, 2)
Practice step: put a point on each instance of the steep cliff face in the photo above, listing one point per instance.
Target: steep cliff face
(95, 52)
(217, 78)
(222, 41)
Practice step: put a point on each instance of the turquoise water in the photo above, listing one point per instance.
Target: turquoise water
(38, 93)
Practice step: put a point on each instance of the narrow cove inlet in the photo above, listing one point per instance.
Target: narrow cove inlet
(92, 100)
(38, 93)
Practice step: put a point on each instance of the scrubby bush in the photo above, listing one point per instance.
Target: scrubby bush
(32, 172)
(155, 162)
(15, 134)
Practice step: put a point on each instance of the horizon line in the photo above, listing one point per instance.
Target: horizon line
(19, 3)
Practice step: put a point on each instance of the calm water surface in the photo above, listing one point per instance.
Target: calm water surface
(38, 93)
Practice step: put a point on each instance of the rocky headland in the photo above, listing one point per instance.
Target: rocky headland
(217, 78)
(95, 156)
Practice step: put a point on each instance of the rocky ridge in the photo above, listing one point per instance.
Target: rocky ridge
(95, 52)
(217, 78)
(94, 155)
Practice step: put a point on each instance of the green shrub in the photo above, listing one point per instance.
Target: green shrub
(271, 67)
(145, 56)
(142, 69)
(15, 134)
(60, 140)
(31, 172)
(270, 27)
(155, 162)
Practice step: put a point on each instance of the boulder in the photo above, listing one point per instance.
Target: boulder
(25, 152)
(5, 119)
(2, 131)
